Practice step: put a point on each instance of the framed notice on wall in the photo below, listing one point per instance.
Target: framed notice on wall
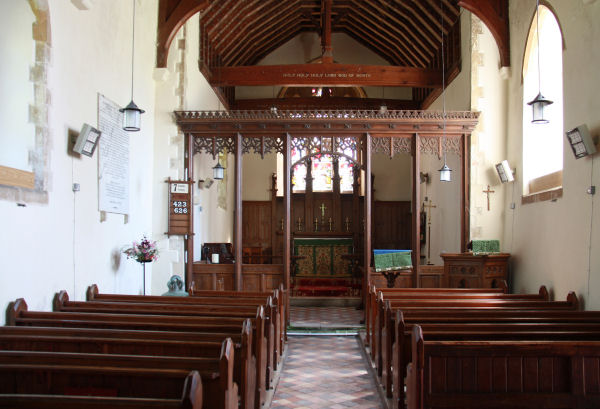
(180, 207)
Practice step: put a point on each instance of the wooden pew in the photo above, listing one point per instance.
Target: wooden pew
(446, 294)
(118, 375)
(494, 302)
(191, 398)
(503, 374)
(18, 315)
(493, 330)
(162, 306)
(270, 303)
(136, 343)
(372, 291)
(281, 293)
(279, 296)
(384, 333)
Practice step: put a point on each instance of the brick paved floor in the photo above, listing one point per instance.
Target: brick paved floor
(325, 371)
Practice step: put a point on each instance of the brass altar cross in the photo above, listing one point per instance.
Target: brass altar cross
(322, 207)
(487, 192)
(429, 205)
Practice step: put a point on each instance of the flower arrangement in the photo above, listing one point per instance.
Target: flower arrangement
(143, 252)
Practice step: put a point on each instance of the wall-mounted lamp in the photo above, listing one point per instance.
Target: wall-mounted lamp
(424, 177)
(581, 141)
(218, 171)
(87, 140)
(505, 173)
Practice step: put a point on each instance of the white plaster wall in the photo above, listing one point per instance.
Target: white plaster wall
(557, 243)
(257, 176)
(488, 142)
(60, 245)
(392, 177)
(212, 224)
(445, 217)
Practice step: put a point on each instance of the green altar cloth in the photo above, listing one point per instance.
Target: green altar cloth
(323, 256)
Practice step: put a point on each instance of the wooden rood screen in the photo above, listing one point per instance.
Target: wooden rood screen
(263, 132)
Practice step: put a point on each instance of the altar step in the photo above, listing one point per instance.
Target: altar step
(325, 301)
(331, 320)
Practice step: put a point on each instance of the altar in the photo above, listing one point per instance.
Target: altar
(323, 257)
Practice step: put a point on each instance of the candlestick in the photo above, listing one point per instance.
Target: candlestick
(347, 224)
(316, 224)
(299, 224)
(330, 224)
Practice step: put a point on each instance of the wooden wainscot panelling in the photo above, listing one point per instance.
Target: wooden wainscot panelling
(392, 225)
(255, 277)
(213, 276)
(431, 277)
(256, 227)
(262, 277)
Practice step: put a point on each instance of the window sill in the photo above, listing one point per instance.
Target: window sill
(551, 194)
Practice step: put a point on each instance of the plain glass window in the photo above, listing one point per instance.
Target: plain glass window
(542, 143)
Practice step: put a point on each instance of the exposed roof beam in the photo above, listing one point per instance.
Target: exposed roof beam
(407, 33)
(171, 16)
(239, 52)
(327, 75)
(326, 48)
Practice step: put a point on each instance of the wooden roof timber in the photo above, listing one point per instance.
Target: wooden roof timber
(368, 38)
(327, 74)
(412, 42)
(259, 33)
(403, 19)
(404, 32)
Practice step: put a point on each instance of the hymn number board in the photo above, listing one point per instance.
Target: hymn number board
(180, 207)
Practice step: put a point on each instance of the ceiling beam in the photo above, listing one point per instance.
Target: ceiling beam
(172, 14)
(326, 48)
(494, 14)
(327, 75)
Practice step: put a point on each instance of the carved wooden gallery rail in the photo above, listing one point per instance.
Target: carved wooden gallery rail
(369, 132)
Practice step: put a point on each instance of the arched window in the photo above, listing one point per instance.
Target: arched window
(323, 171)
(542, 143)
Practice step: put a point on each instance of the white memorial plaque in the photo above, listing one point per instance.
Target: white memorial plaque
(113, 159)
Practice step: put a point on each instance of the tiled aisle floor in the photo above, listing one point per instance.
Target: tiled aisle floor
(325, 371)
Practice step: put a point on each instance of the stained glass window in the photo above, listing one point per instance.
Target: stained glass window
(322, 171)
